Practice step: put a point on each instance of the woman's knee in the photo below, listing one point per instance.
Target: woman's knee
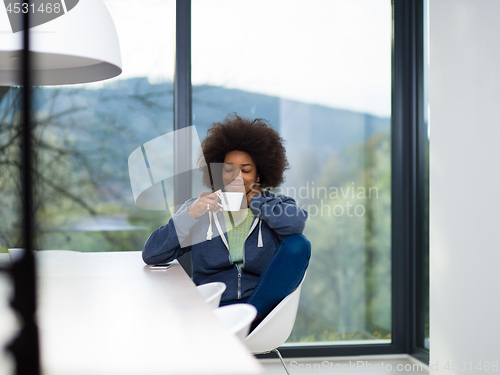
(297, 245)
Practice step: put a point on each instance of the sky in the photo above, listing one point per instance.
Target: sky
(331, 52)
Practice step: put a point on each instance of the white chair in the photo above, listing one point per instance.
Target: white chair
(212, 293)
(237, 318)
(276, 327)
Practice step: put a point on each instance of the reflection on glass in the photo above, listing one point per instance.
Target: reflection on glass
(320, 73)
(84, 135)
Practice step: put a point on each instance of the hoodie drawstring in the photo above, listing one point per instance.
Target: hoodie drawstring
(209, 231)
(260, 243)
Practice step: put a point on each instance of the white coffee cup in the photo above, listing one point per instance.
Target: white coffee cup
(17, 254)
(231, 201)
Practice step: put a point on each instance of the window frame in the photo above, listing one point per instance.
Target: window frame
(409, 142)
(407, 161)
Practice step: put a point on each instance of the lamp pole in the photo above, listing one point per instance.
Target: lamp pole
(25, 347)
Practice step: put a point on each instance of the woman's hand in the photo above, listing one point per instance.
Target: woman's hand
(253, 191)
(204, 203)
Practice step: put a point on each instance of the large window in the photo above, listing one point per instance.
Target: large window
(320, 73)
(84, 135)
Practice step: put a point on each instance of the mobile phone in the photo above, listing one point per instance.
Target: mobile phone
(162, 266)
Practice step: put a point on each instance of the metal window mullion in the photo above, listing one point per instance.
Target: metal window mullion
(402, 173)
(408, 160)
(182, 110)
(182, 95)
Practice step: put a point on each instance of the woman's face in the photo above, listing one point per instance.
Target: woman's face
(239, 172)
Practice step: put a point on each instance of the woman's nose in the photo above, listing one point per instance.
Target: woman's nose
(239, 177)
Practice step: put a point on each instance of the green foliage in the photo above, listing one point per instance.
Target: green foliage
(81, 145)
(347, 292)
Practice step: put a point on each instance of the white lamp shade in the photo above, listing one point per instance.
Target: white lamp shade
(77, 47)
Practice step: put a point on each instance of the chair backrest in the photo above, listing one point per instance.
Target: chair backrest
(276, 327)
(212, 293)
(237, 318)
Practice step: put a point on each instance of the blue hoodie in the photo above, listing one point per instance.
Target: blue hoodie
(276, 217)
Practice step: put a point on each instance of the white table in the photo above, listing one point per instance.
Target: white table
(108, 313)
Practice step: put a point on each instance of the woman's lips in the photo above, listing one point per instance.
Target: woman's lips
(235, 186)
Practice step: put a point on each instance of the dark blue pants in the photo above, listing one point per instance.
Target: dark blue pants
(282, 275)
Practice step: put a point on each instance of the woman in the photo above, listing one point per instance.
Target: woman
(259, 252)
